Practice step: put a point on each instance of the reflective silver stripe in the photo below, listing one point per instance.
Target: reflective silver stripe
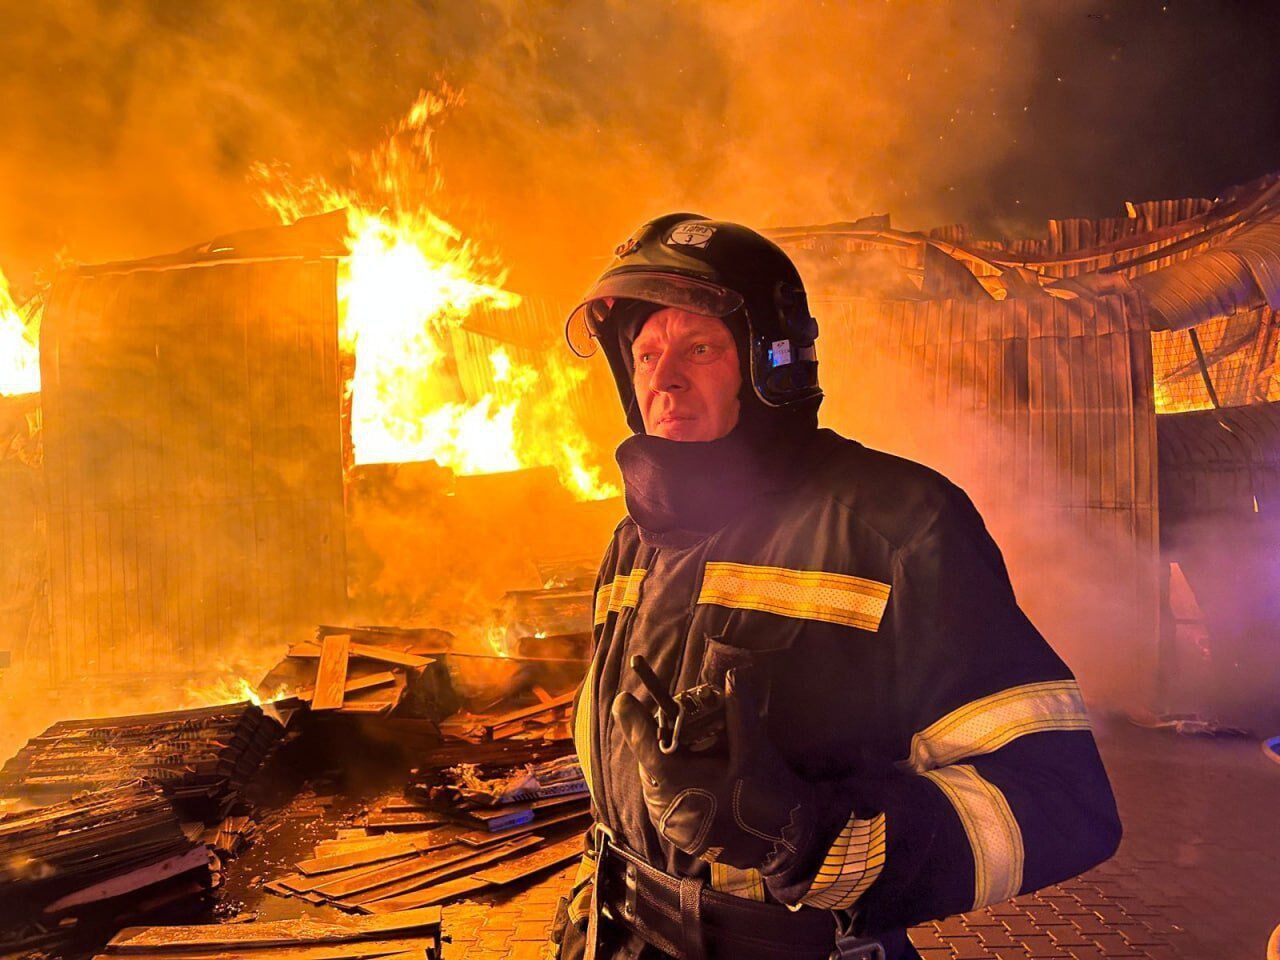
(992, 829)
(851, 866)
(806, 594)
(986, 725)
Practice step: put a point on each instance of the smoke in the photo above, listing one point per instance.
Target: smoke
(132, 126)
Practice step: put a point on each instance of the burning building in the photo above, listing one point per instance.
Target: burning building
(357, 396)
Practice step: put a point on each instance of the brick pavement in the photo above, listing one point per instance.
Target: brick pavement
(1197, 876)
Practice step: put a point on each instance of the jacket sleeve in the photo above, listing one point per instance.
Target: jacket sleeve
(1001, 790)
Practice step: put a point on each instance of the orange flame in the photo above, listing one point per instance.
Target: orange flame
(19, 350)
(411, 281)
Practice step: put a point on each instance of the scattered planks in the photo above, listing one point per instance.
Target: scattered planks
(406, 870)
(339, 675)
(402, 935)
(519, 721)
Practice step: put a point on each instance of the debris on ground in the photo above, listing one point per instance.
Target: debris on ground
(61, 860)
(411, 935)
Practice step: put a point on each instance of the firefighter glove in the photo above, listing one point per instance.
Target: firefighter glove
(744, 806)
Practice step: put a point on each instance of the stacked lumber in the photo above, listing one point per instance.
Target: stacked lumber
(411, 935)
(548, 718)
(344, 673)
(201, 758)
(59, 860)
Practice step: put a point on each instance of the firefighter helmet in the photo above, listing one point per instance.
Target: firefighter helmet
(717, 269)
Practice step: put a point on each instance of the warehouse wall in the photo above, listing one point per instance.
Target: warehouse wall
(193, 463)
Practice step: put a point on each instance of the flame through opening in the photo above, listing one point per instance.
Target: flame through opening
(19, 344)
(410, 283)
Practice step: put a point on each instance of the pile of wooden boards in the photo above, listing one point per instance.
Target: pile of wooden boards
(407, 854)
(341, 673)
(412, 935)
(60, 860)
(201, 758)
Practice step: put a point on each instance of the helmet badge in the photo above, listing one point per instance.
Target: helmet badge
(691, 233)
(628, 246)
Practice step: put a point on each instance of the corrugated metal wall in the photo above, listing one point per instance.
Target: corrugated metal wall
(23, 553)
(193, 462)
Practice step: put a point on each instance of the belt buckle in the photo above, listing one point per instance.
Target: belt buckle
(602, 838)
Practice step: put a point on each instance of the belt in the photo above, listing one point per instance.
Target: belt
(682, 917)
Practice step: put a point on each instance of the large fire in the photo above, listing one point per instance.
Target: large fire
(19, 350)
(405, 291)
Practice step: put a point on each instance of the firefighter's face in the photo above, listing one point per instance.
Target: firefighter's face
(686, 376)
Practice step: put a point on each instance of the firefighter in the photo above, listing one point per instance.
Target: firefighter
(899, 743)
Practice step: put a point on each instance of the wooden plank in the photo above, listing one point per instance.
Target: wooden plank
(274, 933)
(483, 838)
(528, 713)
(563, 799)
(497, 819)
(447, 871)
(404, 821)
(440, 893)
(356, 685)
(368, 706)
(435, 838)
(331, 674)
(545, 858)
(382, 654)
(318, 866)
(306, 883)
(416, 947)
(338, 888)
(193, 859)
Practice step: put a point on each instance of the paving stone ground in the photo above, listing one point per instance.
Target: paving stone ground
(1197, 876)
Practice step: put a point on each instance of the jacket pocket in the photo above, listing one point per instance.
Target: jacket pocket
(743, 643)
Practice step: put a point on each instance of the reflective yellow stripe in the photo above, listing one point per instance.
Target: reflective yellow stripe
(747, 884)
(851, 866)
(622, 591)
(986, 725)
(993, 832)
(582, 724)
(580, 892)
(808, 594)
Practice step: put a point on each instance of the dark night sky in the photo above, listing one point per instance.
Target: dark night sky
(1176, 99)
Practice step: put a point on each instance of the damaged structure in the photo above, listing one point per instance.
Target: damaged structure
(1052, 379)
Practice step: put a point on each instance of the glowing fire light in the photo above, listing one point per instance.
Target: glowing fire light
(409, 284)
(19, 352)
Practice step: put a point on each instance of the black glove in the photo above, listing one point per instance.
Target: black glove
(746, 808)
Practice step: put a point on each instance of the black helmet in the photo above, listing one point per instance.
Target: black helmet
(717, 269)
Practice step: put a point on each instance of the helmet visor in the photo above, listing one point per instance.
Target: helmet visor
(667, 289)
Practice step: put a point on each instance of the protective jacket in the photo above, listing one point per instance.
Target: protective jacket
(950, 743)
